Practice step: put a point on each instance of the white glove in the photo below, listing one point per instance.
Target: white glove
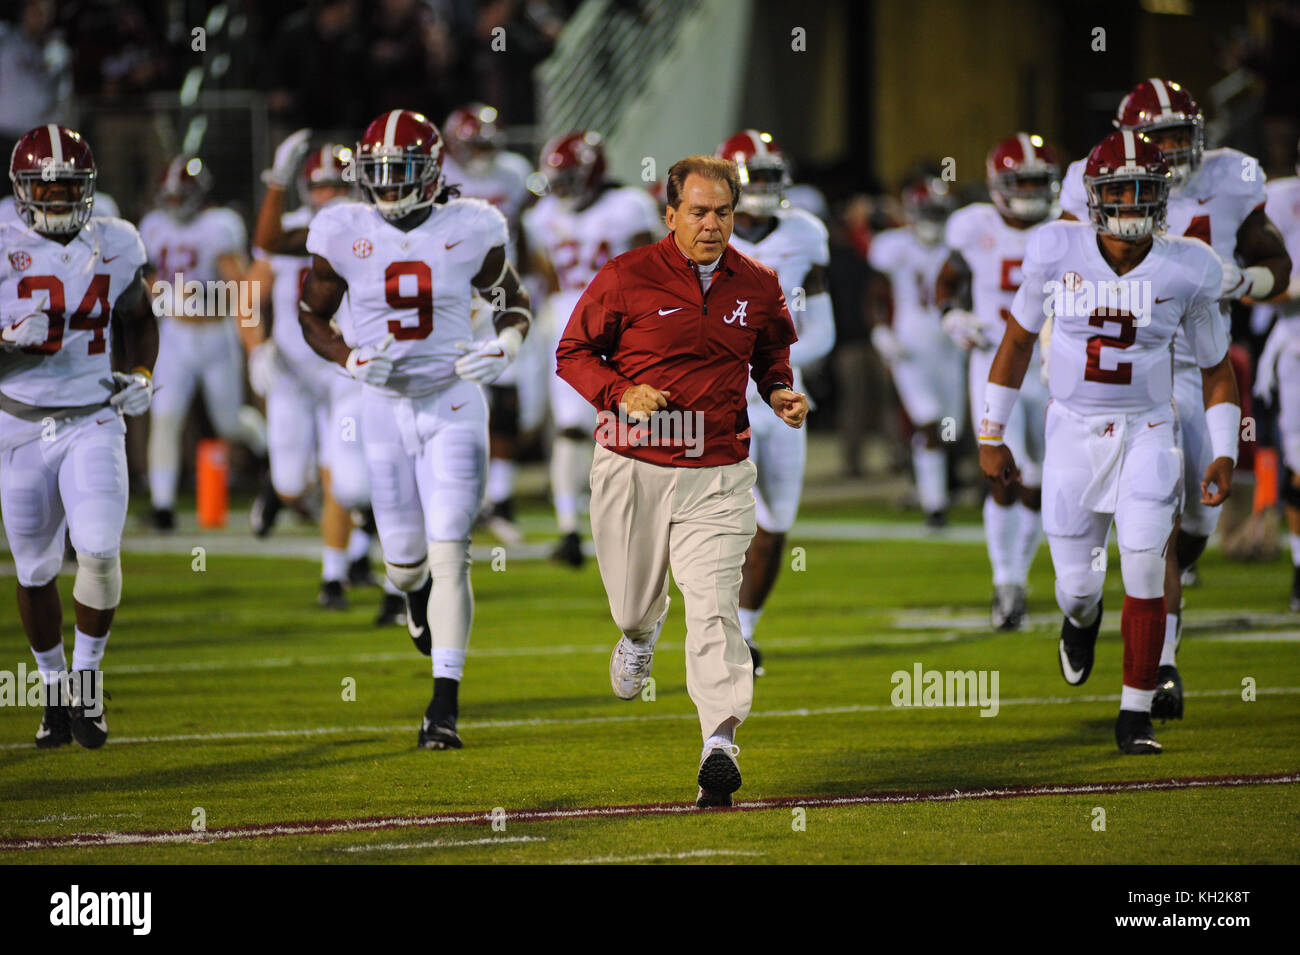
(263, 367)
(136, 391)
(287, 156)
(964, 328)
(369, 364)
(1235, 284)
(28, 331)
(886, 344)
(484, 361)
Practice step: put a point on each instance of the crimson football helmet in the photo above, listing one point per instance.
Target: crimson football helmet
(326, 166)
(399, 163)
(764, 172)
(473, 133)
(184, 187)
(1156, 105)
(1024, 177)
(53, 154)
(928, 202)
(1127, 158)
(574, 164)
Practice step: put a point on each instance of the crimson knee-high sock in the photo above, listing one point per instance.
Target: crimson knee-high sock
(1142, 624)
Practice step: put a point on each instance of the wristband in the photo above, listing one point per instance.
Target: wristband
(998, 402)
(142, 370)
(1223, 421)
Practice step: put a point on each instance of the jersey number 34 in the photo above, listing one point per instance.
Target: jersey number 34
(91, 315)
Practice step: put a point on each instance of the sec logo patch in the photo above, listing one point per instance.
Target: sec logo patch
(20, 260)
(362, 248)
(1073, 281)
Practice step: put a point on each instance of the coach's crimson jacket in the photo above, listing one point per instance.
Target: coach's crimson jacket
(644, 321)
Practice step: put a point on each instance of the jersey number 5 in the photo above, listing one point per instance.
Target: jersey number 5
(95, 300)
(1010, 282)
(421, 301)
(1122, 373)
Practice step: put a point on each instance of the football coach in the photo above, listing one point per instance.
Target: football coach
(662, 342)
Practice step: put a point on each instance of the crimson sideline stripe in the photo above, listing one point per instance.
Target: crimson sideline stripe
(335, 826)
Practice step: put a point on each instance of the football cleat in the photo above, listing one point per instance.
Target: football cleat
(417, 617)
(569, 551)
(1167, 704)
(163, 519)
(1008, 611)
(936, 520)
(756, 655)
(439, 734)
(332, 596)
(392, 611)
(1077, 649)
(266, 507)
(90, 731)
(360, 573)
(1135, 734)
(719, 777)
(1295, 592)
(1191, 577)
(500, 520)
(55, 729)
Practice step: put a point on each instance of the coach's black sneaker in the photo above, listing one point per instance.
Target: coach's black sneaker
(719, 777)
(360, 573)
(569, 551)
(1077, 649)
(266, 508)
(417, 617)
(1135, 734)
(392, 611)
(332, 596)
(91, 731)
(55, 729)
(438, 730)
(1167, 704)
(163, 519)
(756, 655)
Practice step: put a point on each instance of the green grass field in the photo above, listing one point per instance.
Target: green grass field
(227, 696)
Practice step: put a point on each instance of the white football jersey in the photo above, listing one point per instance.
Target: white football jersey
(797, 244)
(994, 252)
(912, 268)
(288, 273)
(504, 185)
(415, 285)
(191, 249)
(1106, 358)
(1283, 209)
(577, 244)
(77, 285)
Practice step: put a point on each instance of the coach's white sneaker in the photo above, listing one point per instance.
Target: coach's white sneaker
(630, 663)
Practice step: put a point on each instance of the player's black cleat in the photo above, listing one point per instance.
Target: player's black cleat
(1077, 648)
(392, 611)
(756, 655)
(440, 734)
(1167, 704)
(417, 617)
(55, 729)
(88, 723)
(163, 519)
(332, 596)
(266, 507)
(569, 551)
(1135, 734)
(1295, 591)
(719, 777)
(360, 573)
(936, 520)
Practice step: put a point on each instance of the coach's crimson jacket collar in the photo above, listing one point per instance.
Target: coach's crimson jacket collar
(644, 320)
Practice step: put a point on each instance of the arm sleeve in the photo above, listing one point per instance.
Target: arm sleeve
(1207, 330)
(770, 361)
(590, 336)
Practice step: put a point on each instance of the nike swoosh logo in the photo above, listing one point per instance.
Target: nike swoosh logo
(499, 354)
(1072, 676)
(669, 311)
(459, 406)
(105, 421)
(1167, 298)
(452, 245)
(1204, 201)
(363, 361)
(415, 632)
(101, 724)
(1156, 425)
(110, 258)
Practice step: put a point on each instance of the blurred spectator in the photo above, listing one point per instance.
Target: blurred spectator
(35, 74)
(848, 279)
(505, 76)
(118, 48)
(402, 57)
(315, 70)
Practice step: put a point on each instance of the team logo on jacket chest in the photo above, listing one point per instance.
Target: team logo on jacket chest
(738, 316)
(362, 248)
(20, 261)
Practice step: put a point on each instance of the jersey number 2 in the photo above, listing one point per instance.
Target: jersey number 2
(1122, 373)
(95, 300)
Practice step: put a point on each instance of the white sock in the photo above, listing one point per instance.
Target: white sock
(724, 737)
(930, 466)
(389, 586)
(570, 466)
(164, 459)
(1001, 532)
(448, 663)
(50, 663)
(500, 480)
(1295, 549)
(87, 651)
(1171, 640)
(1028, 534)
(451, 606)
(358, 544)
(333, 563)
(1139, 701)
(748, 622)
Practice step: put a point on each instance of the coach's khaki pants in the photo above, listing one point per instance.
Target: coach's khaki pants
(646, 518)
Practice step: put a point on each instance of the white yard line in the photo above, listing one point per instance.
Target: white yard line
(660, 856)
(440, 844)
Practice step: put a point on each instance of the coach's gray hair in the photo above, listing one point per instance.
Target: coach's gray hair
(711, 167)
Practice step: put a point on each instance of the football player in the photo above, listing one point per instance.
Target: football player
(583, 222)
(1117, 292)
(1279, 365)
(410, 258)
(983, 274)
(924, 363)
(794, 243)
(479, 166)
(310, 403)
(1218, 196)
(68, 284)
(188, 242)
